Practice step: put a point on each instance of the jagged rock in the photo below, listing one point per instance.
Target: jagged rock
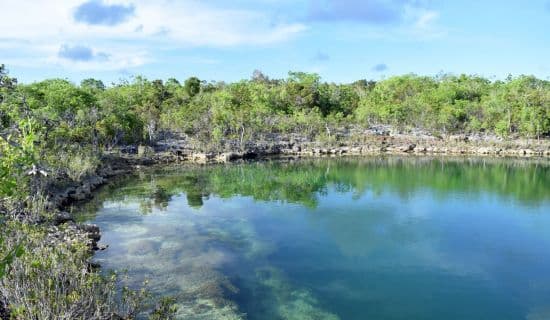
(251, 154)
(129, 149)
(92, 231)
(96, 181)
(459, 138)
(145, 150)
(355, 150)
(62, 217)
(202, 157)
(409, 148)
(229, 156)
(78, 195)
(86, 188)
(94, 265)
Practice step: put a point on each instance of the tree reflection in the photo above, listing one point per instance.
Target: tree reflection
(303, 182)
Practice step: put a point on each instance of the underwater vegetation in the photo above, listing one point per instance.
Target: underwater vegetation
(335, 238)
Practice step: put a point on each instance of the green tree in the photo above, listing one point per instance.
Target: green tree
(192, 86)
(92, 84)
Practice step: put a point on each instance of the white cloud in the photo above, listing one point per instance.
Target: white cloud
(188, 22)
(426, 19)
(411, 22)
(195, 24)
(422, 24)
(37, 28)
(117, 60)
(37, 55)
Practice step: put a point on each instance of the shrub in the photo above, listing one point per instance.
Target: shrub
(54, 280)
(75, 161)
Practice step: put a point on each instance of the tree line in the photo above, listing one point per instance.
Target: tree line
(54, 119)
(141, 110)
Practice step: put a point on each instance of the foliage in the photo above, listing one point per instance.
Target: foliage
(74, 161)
(445, 104)
(7, 259)
(192, 86)
(58, 128)
(55, 281)
(17, 155)
(54, 129)
(164, 310)
(213, 113)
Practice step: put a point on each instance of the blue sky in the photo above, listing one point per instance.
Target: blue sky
(342, 40)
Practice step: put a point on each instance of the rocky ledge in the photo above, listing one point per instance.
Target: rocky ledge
(365, 144)
(125, 160)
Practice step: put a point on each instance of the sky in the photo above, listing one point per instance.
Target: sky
(341, 40)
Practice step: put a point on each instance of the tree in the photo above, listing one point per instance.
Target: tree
(192, 86)
(258, 76)
(7, 83)
(364, 84)
(17, 156)
(92, 84)
(303, 90)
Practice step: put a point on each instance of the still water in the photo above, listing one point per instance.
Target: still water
(368, 238)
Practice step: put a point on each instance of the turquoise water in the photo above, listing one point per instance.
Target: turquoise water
(372, 238)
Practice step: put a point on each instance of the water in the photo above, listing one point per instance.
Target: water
(371, 238)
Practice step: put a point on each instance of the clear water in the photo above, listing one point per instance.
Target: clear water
(371, 238)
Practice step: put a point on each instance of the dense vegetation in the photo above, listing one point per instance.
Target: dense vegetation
(142, 111)
(57, 130)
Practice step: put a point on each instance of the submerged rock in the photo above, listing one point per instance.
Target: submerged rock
(144, 246)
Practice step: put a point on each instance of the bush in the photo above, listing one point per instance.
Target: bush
(76, 162)
(54, 280)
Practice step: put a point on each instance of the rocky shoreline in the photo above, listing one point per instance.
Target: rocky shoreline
(125, 160)
(365, 144)
(128, 159)
(62, 227)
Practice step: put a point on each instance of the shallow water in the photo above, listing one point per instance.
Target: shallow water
(370, 238)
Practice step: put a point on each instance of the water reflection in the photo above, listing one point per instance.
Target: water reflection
(304, 181)
(393, 237)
